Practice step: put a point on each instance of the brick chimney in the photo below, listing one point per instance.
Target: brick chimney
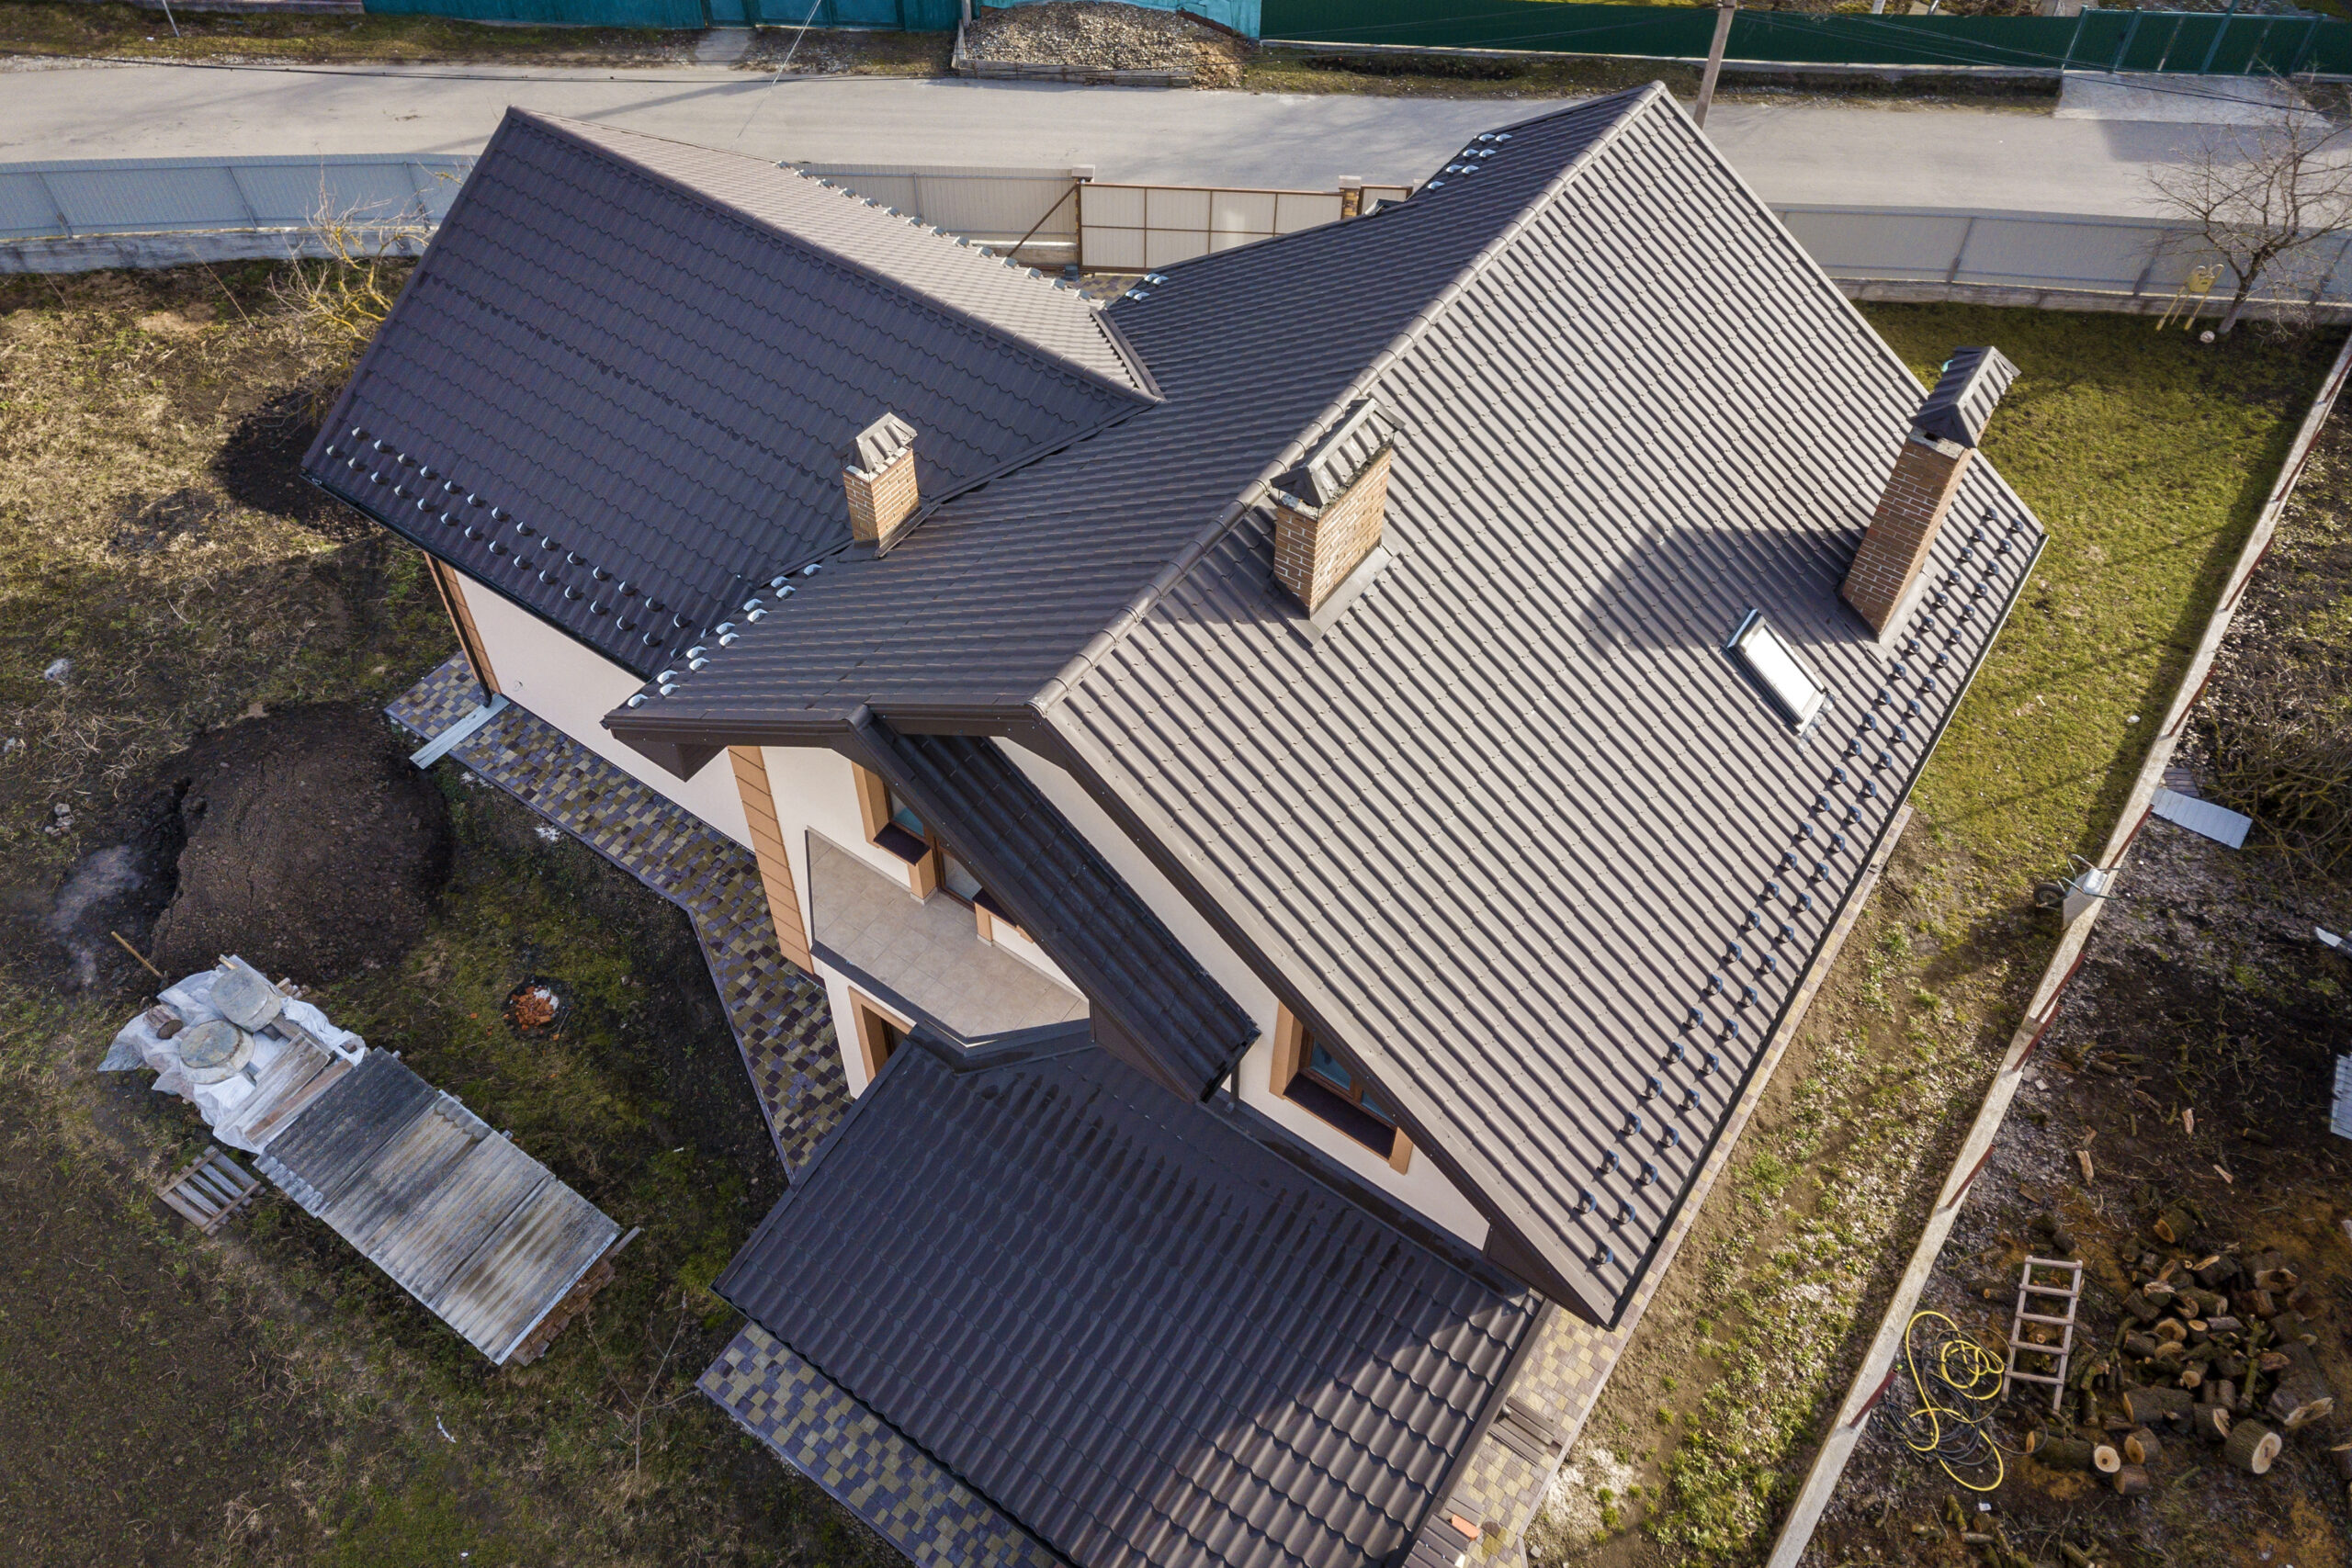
(1927, 473)
(880, 478)
(1328, 510)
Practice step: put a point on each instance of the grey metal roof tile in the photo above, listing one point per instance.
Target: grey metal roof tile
(583, 276)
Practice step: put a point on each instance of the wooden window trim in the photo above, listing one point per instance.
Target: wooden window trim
(874, 815)
(768, 850)
(450, 586)
(868, 1017)
(1290, 1079)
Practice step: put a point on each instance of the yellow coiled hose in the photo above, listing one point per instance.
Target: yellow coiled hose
(1957, 1397)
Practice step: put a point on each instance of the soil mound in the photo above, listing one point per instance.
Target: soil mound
(1108, 36)
(311, 846)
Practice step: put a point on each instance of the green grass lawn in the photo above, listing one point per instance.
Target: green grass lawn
(2148, 455)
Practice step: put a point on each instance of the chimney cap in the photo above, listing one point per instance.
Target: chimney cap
(1965, 396)
(880, 442)
(1332, 464)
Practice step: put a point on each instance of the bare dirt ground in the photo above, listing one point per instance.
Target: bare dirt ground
(2193, 1064)
(266, 1397)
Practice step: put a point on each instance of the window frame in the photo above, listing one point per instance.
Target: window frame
(1294, 1079)
(1756, 627)
(881, 1033)
(926, 857)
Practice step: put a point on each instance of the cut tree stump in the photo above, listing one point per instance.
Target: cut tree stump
(2142, 1446)
(2211, 1423)
(2252, 1447)
(2132, 1481)
(2176, 1226)
(2301, 1397)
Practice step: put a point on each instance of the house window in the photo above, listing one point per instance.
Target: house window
(1775, 667)
(1312, 1079)
(893, 824)
(879, 1033)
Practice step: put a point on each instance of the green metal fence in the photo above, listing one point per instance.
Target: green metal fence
(2173, 42)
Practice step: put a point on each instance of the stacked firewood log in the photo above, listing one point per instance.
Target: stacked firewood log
(2213, 1349)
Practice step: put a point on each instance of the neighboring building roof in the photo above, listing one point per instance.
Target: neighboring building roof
(655, 357)
(1498, 829)
(1151, 1340)
(1176, 1023)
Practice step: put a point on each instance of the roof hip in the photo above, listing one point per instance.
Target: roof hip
(1074, 672)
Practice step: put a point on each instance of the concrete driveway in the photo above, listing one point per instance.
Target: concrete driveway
(1800, 153)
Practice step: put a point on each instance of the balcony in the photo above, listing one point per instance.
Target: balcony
(925, 959)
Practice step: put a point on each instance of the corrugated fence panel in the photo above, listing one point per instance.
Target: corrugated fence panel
(121, 195)
(1846, 241)
(2014, 251)
(985, 205)
(2128, 41)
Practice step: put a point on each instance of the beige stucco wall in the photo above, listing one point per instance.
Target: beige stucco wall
(572, 687)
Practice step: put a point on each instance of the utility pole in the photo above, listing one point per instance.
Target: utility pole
(1724, 11)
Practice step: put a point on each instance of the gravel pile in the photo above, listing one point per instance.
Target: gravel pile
(1105, 35)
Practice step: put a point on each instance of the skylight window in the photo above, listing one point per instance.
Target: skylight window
(1790, 685)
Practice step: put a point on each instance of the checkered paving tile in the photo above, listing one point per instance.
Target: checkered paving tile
(782, 1025)
(815, 1427)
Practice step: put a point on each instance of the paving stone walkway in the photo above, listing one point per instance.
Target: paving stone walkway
(815, 1426)
(781, 1022)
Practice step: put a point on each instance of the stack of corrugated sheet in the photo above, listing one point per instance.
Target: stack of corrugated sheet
(470, 1225)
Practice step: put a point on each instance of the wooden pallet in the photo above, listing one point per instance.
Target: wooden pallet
(211, 1190)
(2056, 1355)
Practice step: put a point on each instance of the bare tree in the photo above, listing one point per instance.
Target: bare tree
(343, 296)
(2260, 195)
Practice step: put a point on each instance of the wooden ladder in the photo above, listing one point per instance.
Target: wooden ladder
(2070, 1292)
(211, 1190)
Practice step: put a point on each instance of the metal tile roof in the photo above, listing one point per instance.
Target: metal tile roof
(1080, 911)
(1150, 1339)
(1502, 830)
(1506, 827)
(654, 357)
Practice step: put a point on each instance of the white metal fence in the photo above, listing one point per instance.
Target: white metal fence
(153, 195)
(1127, 228)
(2044, 253)
(66, 217)
(1033, 208)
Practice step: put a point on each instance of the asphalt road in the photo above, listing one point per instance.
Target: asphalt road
(1801, 152)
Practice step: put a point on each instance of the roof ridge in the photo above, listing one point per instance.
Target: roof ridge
(561, 125)
(1073, 673)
